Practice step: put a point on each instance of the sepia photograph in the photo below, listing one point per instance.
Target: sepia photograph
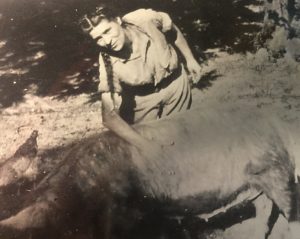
(149, 119)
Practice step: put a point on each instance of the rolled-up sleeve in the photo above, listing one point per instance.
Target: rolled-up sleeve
(164, 22)
(139, 17)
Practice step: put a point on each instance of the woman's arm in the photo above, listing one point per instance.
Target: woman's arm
(113, 121)
(149, 149)
(192, 65)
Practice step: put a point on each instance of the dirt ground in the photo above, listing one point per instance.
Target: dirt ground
(250, 79)
(41, 46)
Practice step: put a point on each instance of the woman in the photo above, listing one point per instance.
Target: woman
(145, 66)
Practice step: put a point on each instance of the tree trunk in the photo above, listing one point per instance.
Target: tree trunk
(281, 28)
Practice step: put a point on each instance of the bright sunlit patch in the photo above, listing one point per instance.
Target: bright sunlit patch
(254, 8)
(17, 71)
(73, 81)
(252, 23)
(35, 64)
(73, 76)
(199, 25)
(9, 54)
(37, 56)
(36, 43)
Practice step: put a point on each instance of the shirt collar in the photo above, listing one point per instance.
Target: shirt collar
(140, 44)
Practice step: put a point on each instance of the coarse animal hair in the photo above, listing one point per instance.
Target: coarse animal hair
(211, 156)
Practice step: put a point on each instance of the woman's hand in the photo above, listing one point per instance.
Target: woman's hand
(194, 70)
(192, 65)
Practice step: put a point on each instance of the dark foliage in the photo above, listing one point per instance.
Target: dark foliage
(43, 49)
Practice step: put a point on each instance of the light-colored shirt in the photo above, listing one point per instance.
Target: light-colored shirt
(153, 58)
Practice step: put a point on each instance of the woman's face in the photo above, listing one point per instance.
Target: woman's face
(109, 34)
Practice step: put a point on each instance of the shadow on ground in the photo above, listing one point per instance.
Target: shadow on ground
(43, 51)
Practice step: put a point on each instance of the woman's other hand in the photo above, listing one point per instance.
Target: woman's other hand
(194, 69)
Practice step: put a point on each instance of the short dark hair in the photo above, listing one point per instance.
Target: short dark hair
(94, 15)
(104, 11)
